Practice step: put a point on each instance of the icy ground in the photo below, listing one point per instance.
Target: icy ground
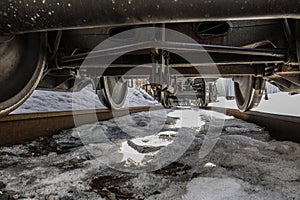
(46, 101)
(245, 163)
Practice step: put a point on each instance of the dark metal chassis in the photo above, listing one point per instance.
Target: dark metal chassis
(270, 26)
(32, 15)
(233, 52)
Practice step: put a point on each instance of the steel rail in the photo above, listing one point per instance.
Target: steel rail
(280, 127)
(18, 128)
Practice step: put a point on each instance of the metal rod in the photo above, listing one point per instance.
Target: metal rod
(120, 50)
(201, 71)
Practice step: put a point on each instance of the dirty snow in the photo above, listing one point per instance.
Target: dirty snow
(46, 101)
(225, 87)
(278, 103)
(187, 118)
(180, 153)
(245, 162)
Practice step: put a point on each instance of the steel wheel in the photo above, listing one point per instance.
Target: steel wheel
(22, 60)
(200, 103)
(174, 101)
(248, 91)
(114, 92)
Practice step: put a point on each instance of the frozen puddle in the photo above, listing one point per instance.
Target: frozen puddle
(130, 155)
(187, 118)
(150, 140)
(142, 141)
(161, 139)
(140, 151)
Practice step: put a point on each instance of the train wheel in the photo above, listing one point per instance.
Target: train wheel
(174, 101)
(114, 92)
(248, 91)
(200, 103)
(165, 99)
(22, 60)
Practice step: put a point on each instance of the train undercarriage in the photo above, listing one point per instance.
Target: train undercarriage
(45, 46)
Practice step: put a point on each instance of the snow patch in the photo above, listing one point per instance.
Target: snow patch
(186, 118)
(214, 188)
(50, 101)
(278, 103)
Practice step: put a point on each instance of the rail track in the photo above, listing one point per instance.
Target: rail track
(280, 127)
(18, 128)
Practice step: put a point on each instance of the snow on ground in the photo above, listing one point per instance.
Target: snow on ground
(45, 101)
(278, 103)
(245, 162)
(181, 153)
(225, 87)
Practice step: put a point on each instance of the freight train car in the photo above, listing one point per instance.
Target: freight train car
(43, 45)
